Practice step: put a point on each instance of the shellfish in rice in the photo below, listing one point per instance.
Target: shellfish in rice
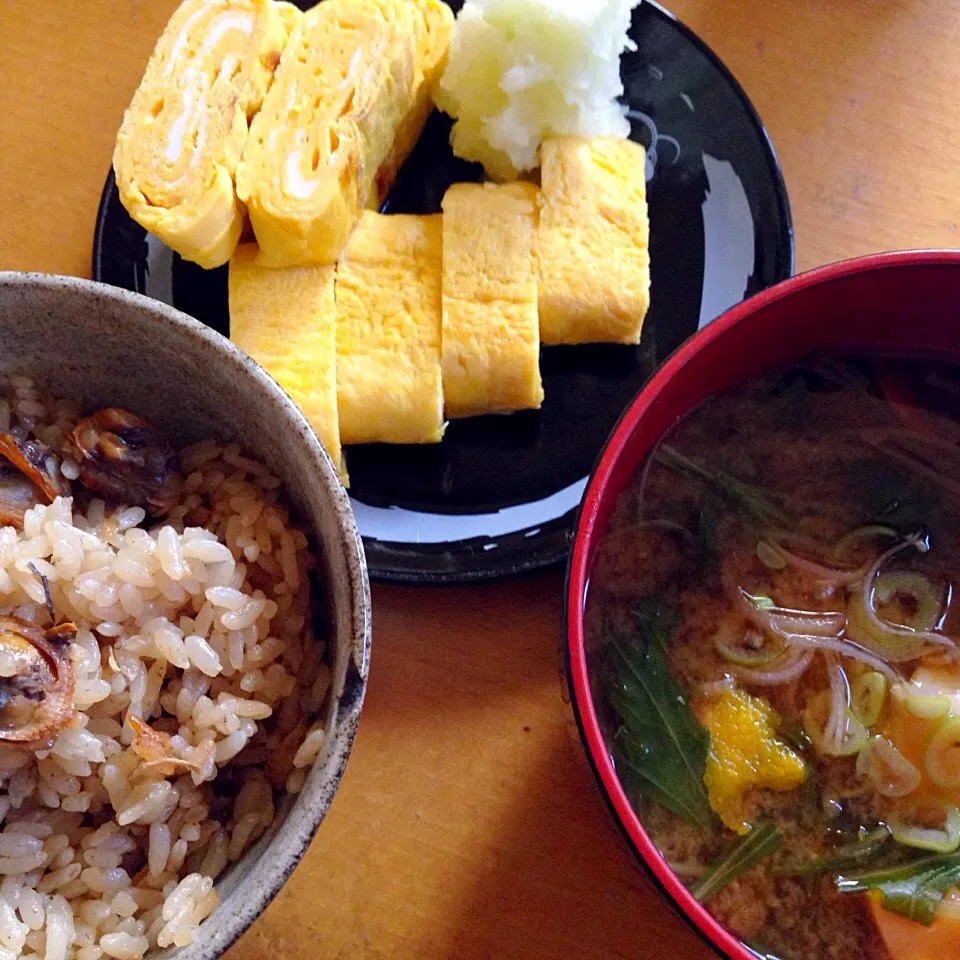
(36, 680)
(30, 474)
(37, 462)
(125, 459)
(154, 748)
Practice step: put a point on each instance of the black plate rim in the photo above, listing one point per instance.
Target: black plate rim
(786, 240)
(109, 185)
(554, 550)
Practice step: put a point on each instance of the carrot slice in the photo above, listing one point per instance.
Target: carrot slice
(908, 940)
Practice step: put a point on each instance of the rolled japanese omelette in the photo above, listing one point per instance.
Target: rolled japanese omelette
(490, 331)
(185, 129)
(388, 306)
(325, 144)
(286, 320)
(434, 26)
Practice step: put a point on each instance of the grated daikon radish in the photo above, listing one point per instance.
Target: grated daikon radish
(521, 70)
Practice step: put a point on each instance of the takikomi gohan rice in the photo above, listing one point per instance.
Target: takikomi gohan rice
(160, 680)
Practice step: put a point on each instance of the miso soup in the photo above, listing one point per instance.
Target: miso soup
(773, 623)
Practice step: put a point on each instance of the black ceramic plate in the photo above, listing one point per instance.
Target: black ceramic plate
(499, 495)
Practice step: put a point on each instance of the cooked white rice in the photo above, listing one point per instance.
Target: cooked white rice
(200, 627)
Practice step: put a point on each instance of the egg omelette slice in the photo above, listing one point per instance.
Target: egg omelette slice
(286, 321)
(593, 242)
(491, 340)
(389, 387)
(327, 126)
(433, 22)
(183, 133)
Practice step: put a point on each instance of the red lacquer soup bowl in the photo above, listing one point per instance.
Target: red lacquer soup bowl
(905, 302)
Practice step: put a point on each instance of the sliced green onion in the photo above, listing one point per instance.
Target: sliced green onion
(759, 600)
(926, 707)
(867, 695)
(852, 739)
(793, 665)
(770, 556)
(873, 531)
(892, 644)
(925, 596)
(944, 840)
(802, 562)
(942, 760)
(816, 717)
(896, 642)
(891, 773)
(753, 650)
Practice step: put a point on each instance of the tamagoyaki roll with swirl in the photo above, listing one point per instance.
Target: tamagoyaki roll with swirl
(186, 127)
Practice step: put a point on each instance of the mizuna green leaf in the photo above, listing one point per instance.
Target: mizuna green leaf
(761, 842)
(661, 746)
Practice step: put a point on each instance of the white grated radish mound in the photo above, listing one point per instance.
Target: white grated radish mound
(520, 70)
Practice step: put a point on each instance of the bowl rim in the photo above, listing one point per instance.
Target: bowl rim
(272, 872)
(577, 574)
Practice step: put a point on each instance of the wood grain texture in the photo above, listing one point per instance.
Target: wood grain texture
(469, 824)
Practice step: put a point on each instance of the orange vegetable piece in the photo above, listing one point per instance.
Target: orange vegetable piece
(745, 753)
(909, 940)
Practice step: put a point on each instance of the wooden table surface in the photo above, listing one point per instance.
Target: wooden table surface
(468, 825)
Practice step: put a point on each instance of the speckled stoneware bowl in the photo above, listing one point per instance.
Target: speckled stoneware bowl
(103, 346)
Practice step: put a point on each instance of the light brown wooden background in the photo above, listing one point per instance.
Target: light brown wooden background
(468, 825)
